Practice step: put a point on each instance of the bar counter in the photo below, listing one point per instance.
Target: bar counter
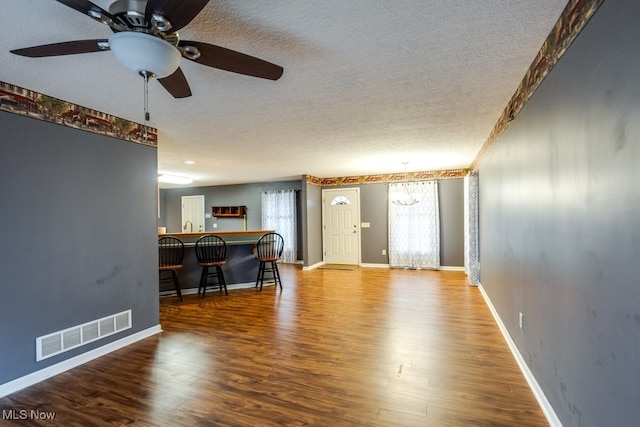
(241, 268)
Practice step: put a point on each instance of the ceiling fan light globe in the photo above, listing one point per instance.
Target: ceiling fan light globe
(143, 53)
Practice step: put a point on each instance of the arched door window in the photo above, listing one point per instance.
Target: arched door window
(340, 200)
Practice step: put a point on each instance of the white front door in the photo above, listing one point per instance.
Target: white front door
(192, 214)
(341, 225)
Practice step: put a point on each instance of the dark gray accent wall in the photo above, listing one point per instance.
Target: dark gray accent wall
(560, 225)
(78, 236)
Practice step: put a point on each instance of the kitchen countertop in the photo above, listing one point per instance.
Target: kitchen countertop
(240, 237)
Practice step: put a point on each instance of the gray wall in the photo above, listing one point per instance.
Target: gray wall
(249, 195)
(78, 235)
(373, 205)
(560, 225)
(313, 220)
(374, 209)
(451, 199)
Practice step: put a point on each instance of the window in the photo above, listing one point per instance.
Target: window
(279, 214)
(341, 200)
(414, 230)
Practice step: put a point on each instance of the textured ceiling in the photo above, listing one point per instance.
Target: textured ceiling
(367, 84)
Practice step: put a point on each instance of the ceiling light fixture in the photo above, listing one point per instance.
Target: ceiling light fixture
(147, 55)
(174, 179)
(407, 198)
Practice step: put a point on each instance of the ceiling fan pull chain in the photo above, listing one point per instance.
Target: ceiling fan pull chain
(145, 76)
(146, 97)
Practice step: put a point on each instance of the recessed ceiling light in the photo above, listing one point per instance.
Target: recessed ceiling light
(174, 179)
(189, 162)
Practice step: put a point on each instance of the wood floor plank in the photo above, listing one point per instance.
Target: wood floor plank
(370, 347)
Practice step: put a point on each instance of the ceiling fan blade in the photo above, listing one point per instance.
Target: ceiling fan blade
(64, 48)
(236, 62)
(178, 12)
(86, 7)
(176, 84)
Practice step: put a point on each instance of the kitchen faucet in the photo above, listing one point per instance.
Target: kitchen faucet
(185, 226)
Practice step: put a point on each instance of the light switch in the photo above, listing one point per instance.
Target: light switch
(365, 225)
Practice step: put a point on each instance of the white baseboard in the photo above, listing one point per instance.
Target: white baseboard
(373, 265)
(544, 403)
(65, 365)
(312, 267)
(445, 268)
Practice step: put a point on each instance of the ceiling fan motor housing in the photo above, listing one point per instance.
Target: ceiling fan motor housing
(129, 7)
(133, 14)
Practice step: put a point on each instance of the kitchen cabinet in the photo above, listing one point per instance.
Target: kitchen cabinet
(228, 211)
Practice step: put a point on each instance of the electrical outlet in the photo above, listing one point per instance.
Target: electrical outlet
(384, 252)
(215, 225)
(521, 321)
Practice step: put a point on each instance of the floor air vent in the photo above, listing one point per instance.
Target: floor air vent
(67, 339)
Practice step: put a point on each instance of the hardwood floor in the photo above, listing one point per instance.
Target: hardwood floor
(368, 347)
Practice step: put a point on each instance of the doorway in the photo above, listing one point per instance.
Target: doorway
(192, 214)
(341, 225)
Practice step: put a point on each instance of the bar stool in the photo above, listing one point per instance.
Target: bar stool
(171, 257)
(268, 251)
(211, 251)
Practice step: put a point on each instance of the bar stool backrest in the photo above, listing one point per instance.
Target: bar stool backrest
(170, 253)
(211, 249)
(270, 247)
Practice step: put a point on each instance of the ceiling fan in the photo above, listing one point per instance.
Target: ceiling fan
(146, 41)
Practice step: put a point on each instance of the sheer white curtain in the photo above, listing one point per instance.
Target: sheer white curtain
(279, 213)
(471, 253)
(414, 231)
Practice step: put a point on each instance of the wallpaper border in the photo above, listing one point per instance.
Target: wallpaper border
(17, 100)
(571, 22)
(387, 178)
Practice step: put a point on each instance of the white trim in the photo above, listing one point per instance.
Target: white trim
(65, 365)
(378, 265)
(314, 266)
(544, 403)
(445, 268)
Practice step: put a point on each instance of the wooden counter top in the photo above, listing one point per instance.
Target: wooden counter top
(250, 237)
(222, 234)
